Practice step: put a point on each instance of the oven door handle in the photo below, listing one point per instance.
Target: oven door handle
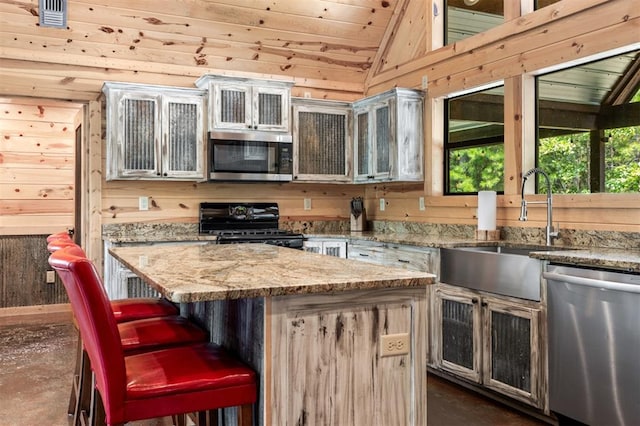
(590, 282)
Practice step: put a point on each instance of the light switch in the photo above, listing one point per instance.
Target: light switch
(382, 204)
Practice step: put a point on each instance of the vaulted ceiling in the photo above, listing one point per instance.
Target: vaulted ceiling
(328, 44)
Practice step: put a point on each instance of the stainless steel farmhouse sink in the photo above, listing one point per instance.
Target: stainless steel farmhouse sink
(501, 270)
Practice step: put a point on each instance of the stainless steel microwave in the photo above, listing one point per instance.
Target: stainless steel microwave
(258, 157)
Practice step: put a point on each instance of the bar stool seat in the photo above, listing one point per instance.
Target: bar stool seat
(133, 309)
(153, 333)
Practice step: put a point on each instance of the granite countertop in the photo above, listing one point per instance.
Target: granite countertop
(201, 271)
(600, 257)
(627, 259)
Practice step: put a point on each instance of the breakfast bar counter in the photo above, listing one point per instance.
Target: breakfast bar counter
(334, 341)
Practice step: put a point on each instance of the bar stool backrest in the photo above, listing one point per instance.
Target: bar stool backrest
(96, 322)
(59, 236)
(55, 245)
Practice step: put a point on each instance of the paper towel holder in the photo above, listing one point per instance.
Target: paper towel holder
(487, 211)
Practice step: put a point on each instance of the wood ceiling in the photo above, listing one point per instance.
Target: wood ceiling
(322, 44)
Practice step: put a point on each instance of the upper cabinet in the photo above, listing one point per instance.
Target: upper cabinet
(247, 105)
(154, 132)
(388, 137)
(321, 140)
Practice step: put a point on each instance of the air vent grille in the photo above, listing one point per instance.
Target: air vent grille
(53, 13)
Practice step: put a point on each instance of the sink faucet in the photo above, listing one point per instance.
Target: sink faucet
(523, 205)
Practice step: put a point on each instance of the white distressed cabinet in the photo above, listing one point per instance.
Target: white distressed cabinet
(154, 132)
(321, 140)
(490, 340)
(396, 255)
(329, 247)
(388, 137)
(245, 104)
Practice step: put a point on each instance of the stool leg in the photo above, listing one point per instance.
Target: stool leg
(83, 400)
(73, 398)
(245, 415)
(97, 416)
(207, 418)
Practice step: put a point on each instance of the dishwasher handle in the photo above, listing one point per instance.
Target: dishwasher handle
(606, 285)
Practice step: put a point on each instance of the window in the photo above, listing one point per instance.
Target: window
(474, 146)
(468, 17)
(588, 132)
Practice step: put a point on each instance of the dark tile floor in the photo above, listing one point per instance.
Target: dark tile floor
(37, 360)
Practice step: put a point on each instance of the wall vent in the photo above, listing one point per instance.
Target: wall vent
(53, 13)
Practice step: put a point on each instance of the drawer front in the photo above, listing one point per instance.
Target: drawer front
(393, 255)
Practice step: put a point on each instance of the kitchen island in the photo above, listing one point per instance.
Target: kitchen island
(335, 341)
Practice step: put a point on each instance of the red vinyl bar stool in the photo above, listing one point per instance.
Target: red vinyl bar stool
(142, 325)
(165, 382)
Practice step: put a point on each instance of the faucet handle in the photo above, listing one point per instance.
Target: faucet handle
(523, 210)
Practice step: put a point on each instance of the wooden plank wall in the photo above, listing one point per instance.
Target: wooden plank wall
(179, 201)
(602, 212)
(37, 165)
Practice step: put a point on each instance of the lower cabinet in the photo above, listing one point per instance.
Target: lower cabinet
(326, 365)
(396, 255)
(490, 340)
(329, 247)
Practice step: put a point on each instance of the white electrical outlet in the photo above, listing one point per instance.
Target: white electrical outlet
(307, 203)
(143, 203)
(382, 204)
(51, 277)
(421, 204)
(394, 344)
(307, 95)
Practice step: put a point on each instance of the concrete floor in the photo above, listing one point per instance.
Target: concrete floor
(37, 360)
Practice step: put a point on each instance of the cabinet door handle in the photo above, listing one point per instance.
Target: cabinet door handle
(403, 261)
(363, 255)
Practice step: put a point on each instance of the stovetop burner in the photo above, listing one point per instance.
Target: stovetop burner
(246, 223)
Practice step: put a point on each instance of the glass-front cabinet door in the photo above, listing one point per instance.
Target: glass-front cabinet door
(138, 136)
(183, 140)
(373, 137)
(364, 154)
(321, 140)
(232, 109)
(458, 333)
(511, 349)
(271, 108)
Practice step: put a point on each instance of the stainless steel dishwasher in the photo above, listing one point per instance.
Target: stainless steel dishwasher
(594, 344)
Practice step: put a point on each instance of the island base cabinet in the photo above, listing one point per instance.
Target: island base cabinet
(325, 359)
(489, 340)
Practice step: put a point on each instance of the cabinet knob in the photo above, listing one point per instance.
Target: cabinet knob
(483, 304)
(474, 300)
